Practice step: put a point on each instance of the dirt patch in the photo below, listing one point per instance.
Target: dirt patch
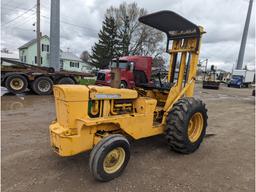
(224, 162)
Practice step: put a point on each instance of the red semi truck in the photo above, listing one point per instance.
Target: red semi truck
(135, 70)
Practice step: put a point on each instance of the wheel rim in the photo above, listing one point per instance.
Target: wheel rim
(44, 86)
(122, 85)
(16, 84)
(114, 160)
(195, 127)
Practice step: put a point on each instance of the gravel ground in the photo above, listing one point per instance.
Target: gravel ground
(224, 162)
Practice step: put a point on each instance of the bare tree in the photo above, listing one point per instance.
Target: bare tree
(5, 50)
(139, 38)
(158, 61)
(85, 56)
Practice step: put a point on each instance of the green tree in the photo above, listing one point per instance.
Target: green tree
(124, 38)
(106, 48)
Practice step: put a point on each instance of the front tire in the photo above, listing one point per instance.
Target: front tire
(123, 85)
(109, 157)
(186, 125)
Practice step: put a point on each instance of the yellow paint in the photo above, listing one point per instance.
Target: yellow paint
(86, 114)
(195, 127)
(114, 160)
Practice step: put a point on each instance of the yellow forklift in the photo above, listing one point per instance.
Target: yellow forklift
(105, 119)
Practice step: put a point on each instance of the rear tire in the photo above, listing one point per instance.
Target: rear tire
(186, 125)
(16, 84)
(66, 80)
(42, 86)
(109, 157)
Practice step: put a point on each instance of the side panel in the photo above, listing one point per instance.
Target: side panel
(66, 144)
(249, 76)
(69, 141)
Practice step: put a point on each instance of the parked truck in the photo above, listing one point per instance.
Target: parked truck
(134, 70)
(17, 77)
(241, 78)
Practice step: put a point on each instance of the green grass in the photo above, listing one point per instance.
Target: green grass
(87, 81)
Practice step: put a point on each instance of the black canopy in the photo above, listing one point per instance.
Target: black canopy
(174, 25)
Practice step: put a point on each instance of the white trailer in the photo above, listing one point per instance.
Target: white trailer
(242, 78)
(247, 75)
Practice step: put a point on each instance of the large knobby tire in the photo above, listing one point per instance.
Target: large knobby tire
(42, 86)
(66, 80)
(109, 157)
(16, 84)
(186, 125)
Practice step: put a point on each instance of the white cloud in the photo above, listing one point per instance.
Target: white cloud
(81, 20)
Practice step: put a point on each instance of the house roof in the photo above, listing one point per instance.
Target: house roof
(69, 56)
(31, 42)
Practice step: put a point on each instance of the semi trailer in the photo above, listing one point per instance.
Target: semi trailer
(18, 77)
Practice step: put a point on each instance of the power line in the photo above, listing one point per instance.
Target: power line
(87, 28)
(16, 8)
(23, 29)
(63, 29)
(46, 6)
(13, 8)
(8, 8)
(8, 3)
(19, 15)
(24, 20)
(27, 19)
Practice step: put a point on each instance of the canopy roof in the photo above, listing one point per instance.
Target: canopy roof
(174, 25)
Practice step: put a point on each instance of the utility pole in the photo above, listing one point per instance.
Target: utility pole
(55, 35)
(244, 38)
(38, 33)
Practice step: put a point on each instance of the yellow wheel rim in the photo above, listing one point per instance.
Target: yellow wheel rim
(16, 83)
(114, 160)
(195, 127)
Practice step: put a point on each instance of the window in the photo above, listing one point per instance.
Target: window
(36, 60)
(45, 47)
(24, 59)
(122, 64)
(61, 64)
(74, 64)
